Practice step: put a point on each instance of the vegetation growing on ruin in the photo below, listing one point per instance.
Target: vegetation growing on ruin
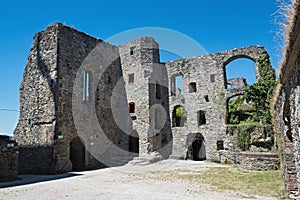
(253, 108)
(257, 96)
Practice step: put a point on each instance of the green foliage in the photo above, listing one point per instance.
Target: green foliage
(239, 112)
(180, 112)
(243, 137)
(215, 160)
(243, 133)
(260, 93)
(257, 96)
(181, 116)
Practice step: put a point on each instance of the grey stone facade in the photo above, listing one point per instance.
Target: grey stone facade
(9, 154)
(286, 105)
(86, 103)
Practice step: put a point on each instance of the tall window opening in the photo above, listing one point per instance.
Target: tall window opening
(212, 78)
(179, 117)
(177, 85)
(131, 78)
(157, 90)
(131, 107)
(86, 85)
(132, 50)
(201, 117)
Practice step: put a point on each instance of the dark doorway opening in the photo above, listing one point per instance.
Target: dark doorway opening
(133, 144)
(196, 150)
(77, 154)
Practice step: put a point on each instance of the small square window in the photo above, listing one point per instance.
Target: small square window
(212, 78)
(132, 50)
(220, 145)
(130, 78)
(192, 87)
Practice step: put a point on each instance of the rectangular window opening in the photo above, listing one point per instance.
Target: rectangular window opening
(192, 87)
(220, 145)
(131, 78)
(201, 117)
(131, 107)
(132, 50)
(206, 98)
(212, 78)
(86, 84)
(157, 90)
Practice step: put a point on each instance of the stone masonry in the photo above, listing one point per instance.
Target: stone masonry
(286, 105)
(8, 158)
(86, 103)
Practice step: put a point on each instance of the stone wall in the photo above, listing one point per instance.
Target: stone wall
(259, 161)
(8, 159)
(51, 140)
(86, 103)
(37, 120)
(208, 73)
(286, 105)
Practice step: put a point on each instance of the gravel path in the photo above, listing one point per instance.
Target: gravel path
(126, 182)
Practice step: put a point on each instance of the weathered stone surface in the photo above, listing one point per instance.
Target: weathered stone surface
(286, 105)
(8, 159)
(69, 121)
(259, 161)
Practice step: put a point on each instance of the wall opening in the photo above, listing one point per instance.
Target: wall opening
(220, 145)
(131, 107)
(77, 154)
(86, 85)
(196, 149)
(157, 90)
(240, 68)
(192, 87)
(131, 78)
(238, 110)
(212, 78)
(133, 145)
(206, 98)
(132, 50)
(177, 85)
(201, 115)
(287, 120)
(179, 117)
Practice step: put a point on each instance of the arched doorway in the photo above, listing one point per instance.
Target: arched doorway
(77, 154)
(196, 147)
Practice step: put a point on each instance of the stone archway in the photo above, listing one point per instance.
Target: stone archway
(251, 53)
(196, 147)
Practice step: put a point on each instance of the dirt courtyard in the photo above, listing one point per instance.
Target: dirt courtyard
(125, 182)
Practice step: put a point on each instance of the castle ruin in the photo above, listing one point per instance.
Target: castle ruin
(85, 103)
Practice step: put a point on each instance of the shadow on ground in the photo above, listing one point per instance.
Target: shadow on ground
(31, 179)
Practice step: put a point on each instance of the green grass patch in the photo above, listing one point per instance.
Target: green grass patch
(269, 183)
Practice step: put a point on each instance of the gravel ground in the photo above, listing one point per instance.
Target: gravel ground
(126, 182)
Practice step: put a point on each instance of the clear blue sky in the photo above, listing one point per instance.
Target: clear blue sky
(217, 25)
